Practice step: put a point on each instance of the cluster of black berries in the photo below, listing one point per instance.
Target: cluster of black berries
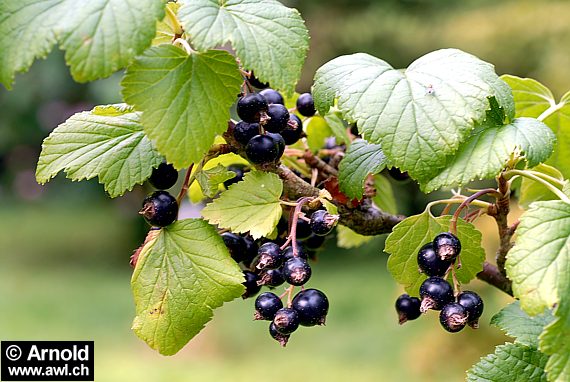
(160, 208)
(435, 259)
(266, 125)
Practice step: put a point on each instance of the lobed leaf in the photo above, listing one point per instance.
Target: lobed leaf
(210, 179)
(524, 328)
(361, 159)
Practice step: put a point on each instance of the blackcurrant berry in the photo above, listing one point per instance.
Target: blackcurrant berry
(435, 293)
(279, 116)
(398, 175)
(430, 263)
(271, 278)
(296, 271)
(286, 320)
(251, 248)
(306, 105)
(473, 304)
(312, 307)
(254, 81)
(236, 246)
(269, 256)
(250, 283)
(293, 131)
(244, 131)
(322, 223)
(453, 317)
(279, 141)
(239, 169)
(301, 253)
(159, 209)
(408, 308)
(262, 149)
(272, 96)
(250, 107)
(266, 305)
(281, 338)
(303, 229)
(447, 246)
(163, 177)
(314, 242)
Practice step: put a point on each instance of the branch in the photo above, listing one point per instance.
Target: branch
(499, 212)
(491, 275)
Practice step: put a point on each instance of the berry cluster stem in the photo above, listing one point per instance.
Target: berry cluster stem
(465, 203)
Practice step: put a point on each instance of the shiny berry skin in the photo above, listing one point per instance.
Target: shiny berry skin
(312, 307)
(435, 293)
(251, 248)
(453, 317)
(303, 229)
(279, 141)
(314, 242)
(236, 246)
(159, 209)
(279, 117)
(269, 256)
(163, 177)
(447, 246)
(408, 308)
(281, 338)
(271, 278)
(473, 304)
(322, 223)
(250, 107)
(288, 253)
(250, 283)
(266, 305)
(294, 130)
(239, 169)
(244, 131)
(430, 263)
(272, 96)
(286, 320)
(262, 149)
(398, 175)
(296, 271)
(254, 81)
(306, 105)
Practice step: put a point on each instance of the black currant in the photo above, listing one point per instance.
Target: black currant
(279, 116)
(236, 246)
(306, 105)
(269, 256)
(159, 209)
(163, 177)
(435, 293)
(473, 304)
(250, 107)
(254, 81)
(293, 131)
(266, 305)
(301, 253)
(250, 283)
(286, 320)
(271, 278)
(272, 96)
(447, 246)
(408, 308)
(279, 141)
(312, 307)
(239, 169)
(322, 223)
(244, 131)
(430, 263)
(296, 271)
(251, 248)
(262, 149)
(314, 242)
(398, 175)
(281, 338)
(453, 317)
(303, 229)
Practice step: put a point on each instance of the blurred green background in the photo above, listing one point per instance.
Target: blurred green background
(64, 248)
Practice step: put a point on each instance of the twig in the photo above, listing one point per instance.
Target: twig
(491, 275)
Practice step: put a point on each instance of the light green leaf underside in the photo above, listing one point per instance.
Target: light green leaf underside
(524, 328)
(185, 99)
(250, 205)
(337, 128)
(347, 238)
(99, 36)
(361, 159)
(420, 115)
(412, 233)
(511, 362)
(181, 276)
(532, 191)
(107, 142)
(488, 149)
(268, 37)
(384, 198)
(211, 179)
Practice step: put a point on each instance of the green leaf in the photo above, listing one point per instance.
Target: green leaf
(524, 328)
(211, 179)
(510, 363)
(535, 100)
(317, 130)
(361, 159)
(268, 37)
(337, 128)
(166, 30)
(183, 272)
(419, 115)
(489, 148)
(384, 198)
(408, 236)
(107, 142)
(347, 238)
(257, 213)
(185, 99)
(532, 191)
(99, 36)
